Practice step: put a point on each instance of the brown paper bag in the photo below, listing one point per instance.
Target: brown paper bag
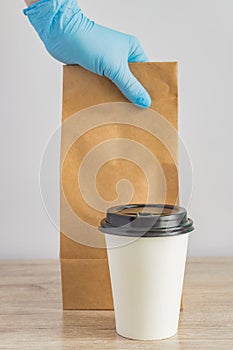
(84, 267)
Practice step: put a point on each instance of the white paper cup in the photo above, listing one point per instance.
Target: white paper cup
(146, 273)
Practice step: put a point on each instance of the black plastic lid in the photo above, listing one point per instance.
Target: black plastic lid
(147, 220)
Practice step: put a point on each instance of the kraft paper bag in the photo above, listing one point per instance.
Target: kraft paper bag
(112, 152)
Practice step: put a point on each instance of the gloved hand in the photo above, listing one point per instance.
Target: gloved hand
(70, 37)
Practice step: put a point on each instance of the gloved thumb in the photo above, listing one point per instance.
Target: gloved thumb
(131, 88)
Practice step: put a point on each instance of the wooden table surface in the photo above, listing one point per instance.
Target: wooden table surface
(31, 315)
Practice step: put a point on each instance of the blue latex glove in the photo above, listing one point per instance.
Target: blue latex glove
(70, 37)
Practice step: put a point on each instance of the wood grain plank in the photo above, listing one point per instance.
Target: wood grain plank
(31, 315)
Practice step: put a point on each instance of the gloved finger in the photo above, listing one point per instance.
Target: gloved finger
(131, 88)
(136, 52)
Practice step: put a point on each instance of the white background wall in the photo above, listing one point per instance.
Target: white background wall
(199, 34)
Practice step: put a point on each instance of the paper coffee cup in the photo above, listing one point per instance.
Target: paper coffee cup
(146, 247)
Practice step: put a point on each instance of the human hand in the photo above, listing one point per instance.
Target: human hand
(72, 38)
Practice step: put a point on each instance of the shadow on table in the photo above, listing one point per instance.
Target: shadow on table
(96, 330)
